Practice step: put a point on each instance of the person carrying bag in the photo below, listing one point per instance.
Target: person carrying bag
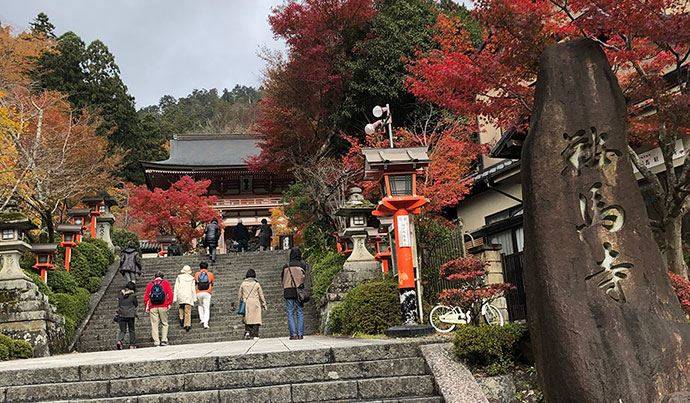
(251, 301)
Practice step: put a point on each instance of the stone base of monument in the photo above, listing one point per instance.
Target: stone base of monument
(409, 331)
(26, 314)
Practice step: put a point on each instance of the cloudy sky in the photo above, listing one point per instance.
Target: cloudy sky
(165, 46)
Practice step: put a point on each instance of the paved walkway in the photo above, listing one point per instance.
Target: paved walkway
(171, 352)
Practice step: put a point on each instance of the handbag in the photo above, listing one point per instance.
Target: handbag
(242, 308)
(117, 318)
(302, 293)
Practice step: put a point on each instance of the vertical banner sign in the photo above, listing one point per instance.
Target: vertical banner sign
(404, 239)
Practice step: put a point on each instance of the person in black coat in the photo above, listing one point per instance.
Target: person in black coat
(242, 236)
(265, 235)
(130, 264)
(126, 314)
(211, 237)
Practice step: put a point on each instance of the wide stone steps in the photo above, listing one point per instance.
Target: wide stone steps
(393, 372)
(225, 324)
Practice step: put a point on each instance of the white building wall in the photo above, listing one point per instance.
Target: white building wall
(473, 209)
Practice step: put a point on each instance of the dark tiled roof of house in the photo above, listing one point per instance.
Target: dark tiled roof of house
(204, 150)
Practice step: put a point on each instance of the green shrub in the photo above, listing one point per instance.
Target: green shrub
(369, 308)
(123, 238)
(42, 287)
(15, 348)
(4, 352)
(103, 247)
(27, 261)
(489, 347)
(90, 259)
(324, 266)
(72, 306)
(94, 284)
(61, 282)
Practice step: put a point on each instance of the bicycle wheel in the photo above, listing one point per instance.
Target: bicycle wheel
(493, 316)
(434, 319)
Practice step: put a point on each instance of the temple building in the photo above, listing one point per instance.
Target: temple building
(242, 194)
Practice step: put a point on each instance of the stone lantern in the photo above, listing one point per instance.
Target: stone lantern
(25, 312)
(79, 216)
(397, 170)
(13, 227)
(356, 210)
(45, 259)
(360, 265)
(70, 234)
(106, 220)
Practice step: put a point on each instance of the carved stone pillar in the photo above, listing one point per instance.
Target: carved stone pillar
(605, 324)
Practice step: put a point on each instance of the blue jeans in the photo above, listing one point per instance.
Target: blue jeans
(290, 306)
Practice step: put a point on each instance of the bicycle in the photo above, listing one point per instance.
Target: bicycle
(445, 318)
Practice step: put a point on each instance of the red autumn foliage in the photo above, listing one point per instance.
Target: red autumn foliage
(452, 152)
(642, 39)
(301, 93)
(682, 288)
(471, 273)
(180, 210)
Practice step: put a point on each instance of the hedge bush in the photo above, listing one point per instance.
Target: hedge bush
(369, 308)
(94, 284)
(123, 238)
(491, 348)
(11, 349)
(90, 259)
(62, 282)
(324, 266)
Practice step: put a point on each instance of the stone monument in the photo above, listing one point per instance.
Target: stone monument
(25, 312)
(604, 321)
(361, 264)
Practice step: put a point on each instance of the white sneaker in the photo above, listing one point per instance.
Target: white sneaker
(256, 338)
(205, 326)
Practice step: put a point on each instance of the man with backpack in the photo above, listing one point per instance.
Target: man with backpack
(204, 287)
(158, 298)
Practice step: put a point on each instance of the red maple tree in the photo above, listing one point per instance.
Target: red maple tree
(470, 272)
(647, 43)
(180, 210)
(453, 153)
(303, 91)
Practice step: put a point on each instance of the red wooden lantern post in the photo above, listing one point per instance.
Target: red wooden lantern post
(397, 170)
(69, 233)
(94, 204)
(45, 259)
(79, 216)
(383, 253)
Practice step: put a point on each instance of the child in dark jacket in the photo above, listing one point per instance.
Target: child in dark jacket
(126, 313)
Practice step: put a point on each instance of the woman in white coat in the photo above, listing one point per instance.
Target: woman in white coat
(185, 296)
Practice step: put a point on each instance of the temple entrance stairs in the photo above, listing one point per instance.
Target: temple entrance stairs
(268, 370)
(100, 332)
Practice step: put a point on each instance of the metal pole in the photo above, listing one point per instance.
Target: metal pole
(390, 125)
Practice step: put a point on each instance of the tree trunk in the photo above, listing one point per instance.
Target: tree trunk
(50, 228)
(673, 251)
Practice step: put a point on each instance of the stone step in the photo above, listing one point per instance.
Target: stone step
(173, 389)
(318, 374)
(274, 370)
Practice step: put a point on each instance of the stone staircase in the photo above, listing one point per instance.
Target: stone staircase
(374, 372)
(100, 332)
